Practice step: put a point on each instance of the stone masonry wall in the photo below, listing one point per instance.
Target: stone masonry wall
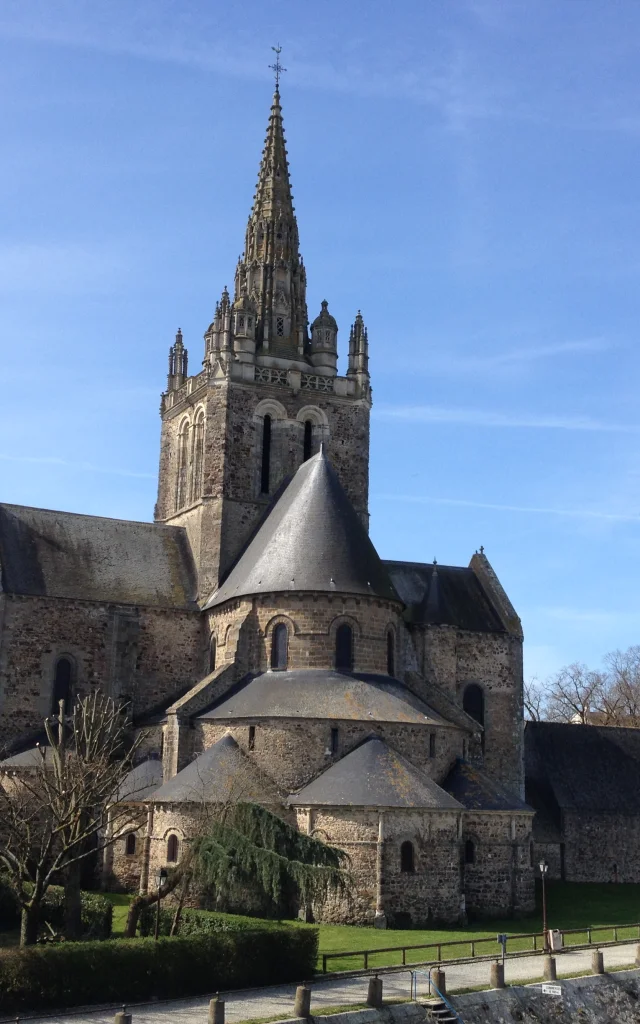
(601, 847)
(312, 620)
(144, 653)
(453, 659)
(500, 879)
(294, 751)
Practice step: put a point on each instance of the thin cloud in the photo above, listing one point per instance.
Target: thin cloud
(83, 467)
(573, 513)
(513, 359)
(490, 418)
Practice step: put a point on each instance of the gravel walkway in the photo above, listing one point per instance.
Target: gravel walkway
(278, 1000)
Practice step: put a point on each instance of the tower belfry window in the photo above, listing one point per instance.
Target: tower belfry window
(279, 645)
(265, 470)
(308, 440)
(280, 326)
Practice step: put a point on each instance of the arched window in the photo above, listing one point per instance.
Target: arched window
(212, 654)
(469, 852)
(172, 849)
(279, 644)
(198, 457)
(265, 469)
(473, 703)
(407, 858)
(130, 844)
(391, 653)
(308, 440)
(344, 648)
(182, 488)
(62, 685)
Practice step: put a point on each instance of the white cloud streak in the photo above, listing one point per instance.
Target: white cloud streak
(513, 359)
(492, 418)
(573, 513)
(83, 467)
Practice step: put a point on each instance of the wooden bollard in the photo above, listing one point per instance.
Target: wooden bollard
(216, 1010)
(302, 1004)
(122, 1017)
(638, 956)
(549, 968)
(497, 975)
(439, 980)
(374, 995)
(597, 962)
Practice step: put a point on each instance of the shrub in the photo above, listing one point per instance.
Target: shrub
(130, 970)
(97, 913)
(200, 922)
(9, 906)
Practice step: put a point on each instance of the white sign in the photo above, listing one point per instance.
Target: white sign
(551, 990)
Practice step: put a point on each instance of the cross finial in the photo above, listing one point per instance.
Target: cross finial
(277, 67)
(482, 549)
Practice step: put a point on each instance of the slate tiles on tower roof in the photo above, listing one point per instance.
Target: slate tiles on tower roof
(313, 540)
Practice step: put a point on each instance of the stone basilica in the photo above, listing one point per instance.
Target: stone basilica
(261, 643)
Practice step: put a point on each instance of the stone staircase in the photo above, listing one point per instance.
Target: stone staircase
(439, 1011)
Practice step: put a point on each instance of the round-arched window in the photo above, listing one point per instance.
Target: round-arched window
(407, 858)
(279, 645)
(391, 653)
(130, 844)
(62, 685)
(473, 702)
(172, 849)
(469, 852)
(344, 648)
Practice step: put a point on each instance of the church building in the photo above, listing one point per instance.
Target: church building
(259, 640)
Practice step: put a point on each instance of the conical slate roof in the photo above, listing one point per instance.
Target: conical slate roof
(374, 775)
(312, 539)
(220, 774)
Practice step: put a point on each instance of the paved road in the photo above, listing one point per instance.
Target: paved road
(278, 1000)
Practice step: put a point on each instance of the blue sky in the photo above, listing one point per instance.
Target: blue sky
(464, 171)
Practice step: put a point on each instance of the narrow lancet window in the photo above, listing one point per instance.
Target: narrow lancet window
(407, 858)
(391, 654)
(265, 469)
(62, 684)
(279, 644)
(308, 440)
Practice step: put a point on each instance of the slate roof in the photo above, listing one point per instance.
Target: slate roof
(374, 775)
(315, 693)
(63, 554)
(582, 768)
(30, 758)
(312, 539)
(445, 595)
(221, 773)
(477, 792)
(141, 782)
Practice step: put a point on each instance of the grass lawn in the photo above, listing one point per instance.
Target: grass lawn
(568, 906)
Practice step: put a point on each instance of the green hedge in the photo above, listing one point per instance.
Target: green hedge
(97, 912)
(130, 970)
(201, 922)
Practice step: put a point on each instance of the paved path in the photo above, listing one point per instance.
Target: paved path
(278, 1000)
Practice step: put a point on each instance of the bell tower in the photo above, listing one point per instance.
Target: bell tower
(268, 394)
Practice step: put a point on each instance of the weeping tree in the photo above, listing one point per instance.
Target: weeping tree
(249, 845)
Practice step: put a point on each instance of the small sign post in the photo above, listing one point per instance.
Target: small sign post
(502, 939)
(552, 990)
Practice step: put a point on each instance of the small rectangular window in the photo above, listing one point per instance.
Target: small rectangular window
(334, 740)
(252, 737)
(432, 744)
(280, 326)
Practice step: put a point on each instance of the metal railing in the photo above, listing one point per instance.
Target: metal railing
(524, 942)
(433, 988)
(471, 944)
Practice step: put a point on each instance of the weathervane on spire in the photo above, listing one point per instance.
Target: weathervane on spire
(277, 67)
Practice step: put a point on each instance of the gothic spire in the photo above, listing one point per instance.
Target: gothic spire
(270, 272)
(358, 349)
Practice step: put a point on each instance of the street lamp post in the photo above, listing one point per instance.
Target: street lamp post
(544, 867)
(161, 875)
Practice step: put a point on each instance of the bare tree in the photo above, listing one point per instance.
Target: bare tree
(534, 699)
(575, 693)
(624, 685)
(53, 812)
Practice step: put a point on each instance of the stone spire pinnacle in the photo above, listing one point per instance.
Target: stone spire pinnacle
(358, 350)
(270, 273)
